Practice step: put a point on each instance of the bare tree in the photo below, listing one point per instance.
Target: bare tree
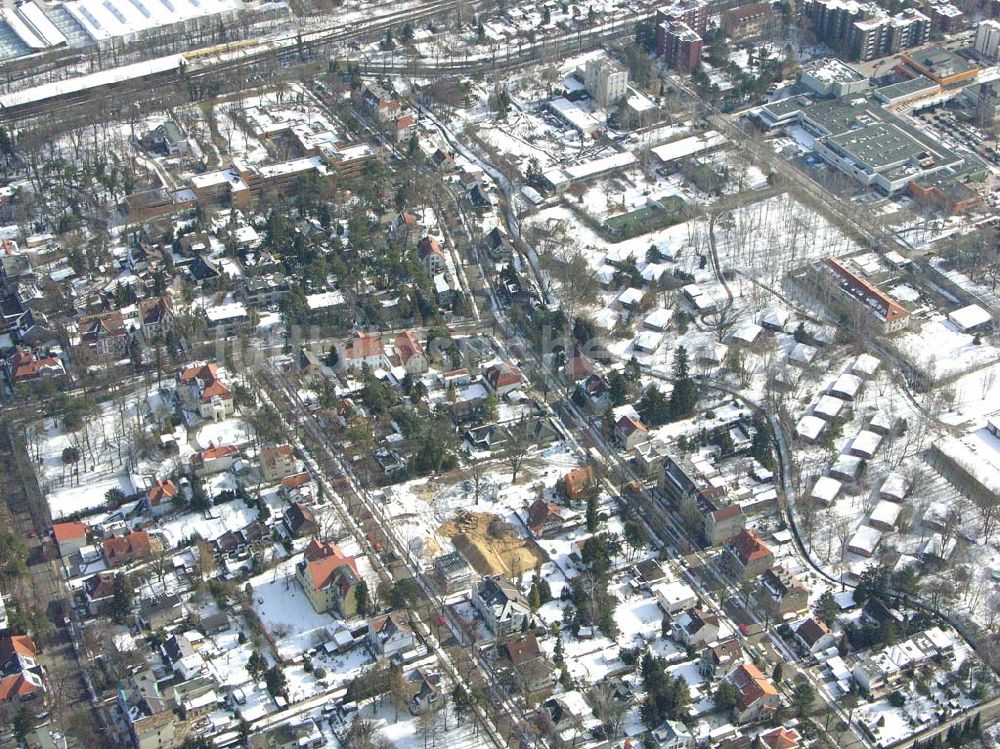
(516, 448)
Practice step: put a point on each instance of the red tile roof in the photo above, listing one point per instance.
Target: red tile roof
(323, 569)
(748, 547)
(212, 453)
(162, 491)
(294, 482)
(752, 684)
(782, 738)
(16, 686)
(578, 480)
(70, 531)
(122, 549)
(17, 645)
(627, 425)
(362, 345)
(429, 246)
(407, 346)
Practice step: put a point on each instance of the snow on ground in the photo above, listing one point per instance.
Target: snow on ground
(228, 432)
(286, 612)
(941, 351)
(233, 515)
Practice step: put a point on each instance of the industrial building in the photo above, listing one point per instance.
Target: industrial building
(869, 143)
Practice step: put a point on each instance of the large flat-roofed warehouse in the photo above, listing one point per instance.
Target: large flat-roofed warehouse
(869, 143)
(109, 19)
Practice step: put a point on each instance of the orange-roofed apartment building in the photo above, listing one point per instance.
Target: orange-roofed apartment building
(757, 698)
(329, 578)
(69, 537)
(411, 353)
(203, 391)
(746, 556)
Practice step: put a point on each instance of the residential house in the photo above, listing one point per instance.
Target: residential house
(403, 128)
(24, 367)
(502, 606)
(521, 662)
(151, 722)
(98, 592)
(299, 735)
(695, 627)
(329, 578)
(160, 497)
(359, 351)
(579, 484)
(70, 537)
(105, 334)
(425, 687)
(781, 738)
(214, 460)
(672, 734)
(200, 389)
(719, 658)
(300, 521)
(161, 611)
(546, 519)
(593, 394)
(502, 378)
(452, 572)
(278, 462)
(782, 594)
(757, 698)
(134, 546)
(17, 653)
(629, 432)
(746, 556)
(411, 353)
(23, 688)
(813, 635)
(390, 634)
(297, 487)
(432, 256)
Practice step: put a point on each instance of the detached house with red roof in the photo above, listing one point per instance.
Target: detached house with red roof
(746, 556)
(329, 578)
(431, 256)
(361, 350)
(214, 460)
(781, 738)
(578, 483)
(201, 390)
(410, 353)
(160, 497)
(757, 698)
(629, 432)
(25, 367)
(69, 537)
(502, 378)
(134, 546)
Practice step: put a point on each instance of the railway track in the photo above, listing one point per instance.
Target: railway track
(266, 55)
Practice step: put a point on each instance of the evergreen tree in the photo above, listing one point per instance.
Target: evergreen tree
(256, 665)
(121, 598)
(684, 396)
(592, 517)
